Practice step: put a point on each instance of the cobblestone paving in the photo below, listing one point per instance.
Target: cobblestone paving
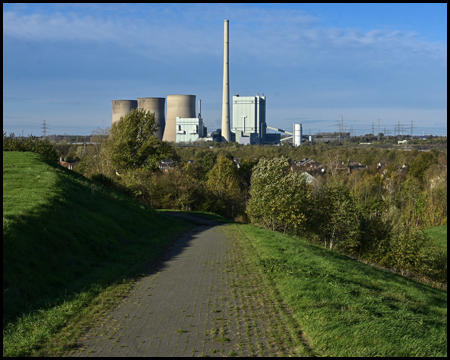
(199, 301)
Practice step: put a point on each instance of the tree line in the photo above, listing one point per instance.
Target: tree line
(375, 215)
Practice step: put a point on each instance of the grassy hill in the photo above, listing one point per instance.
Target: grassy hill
(344, 307)
(439, 234)
(72, 248)
(65, 240)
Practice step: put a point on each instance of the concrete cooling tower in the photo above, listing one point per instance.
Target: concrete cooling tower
(121, 108)
(156, 106)
(177, 106)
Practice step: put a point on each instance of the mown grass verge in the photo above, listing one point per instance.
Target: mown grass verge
(71, 250)
(344, 307)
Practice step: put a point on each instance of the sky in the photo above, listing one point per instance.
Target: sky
(317, 64)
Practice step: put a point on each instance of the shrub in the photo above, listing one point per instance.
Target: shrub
(31, 144)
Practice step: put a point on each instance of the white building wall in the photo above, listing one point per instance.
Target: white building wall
(249, 116)
(189, 129)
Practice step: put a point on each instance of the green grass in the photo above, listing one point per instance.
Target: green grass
(71, 250)
(344, 307)
(439, 235)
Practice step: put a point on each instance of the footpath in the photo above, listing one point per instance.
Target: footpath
(199, 300)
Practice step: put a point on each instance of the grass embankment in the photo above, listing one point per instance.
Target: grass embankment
(71, 250)
(344, 307)
(439, 235)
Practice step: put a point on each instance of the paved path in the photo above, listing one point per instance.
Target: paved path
(197, 301)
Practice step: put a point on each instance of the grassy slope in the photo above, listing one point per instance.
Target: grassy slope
(65, 240)
(439, 234)
(346, 308)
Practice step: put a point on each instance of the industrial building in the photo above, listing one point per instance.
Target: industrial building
(181, 125)
(120, 108)
(157, 106)
(190, 129)
(182, 106)
(249, 119)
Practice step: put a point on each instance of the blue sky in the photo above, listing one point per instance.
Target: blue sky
(315, 63)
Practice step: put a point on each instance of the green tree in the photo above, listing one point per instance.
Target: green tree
(279, 196)
(189, 189)
(421, 164)
(135, 144)
(335, 214)
(96, 158)
(207, 161)
(223, 187)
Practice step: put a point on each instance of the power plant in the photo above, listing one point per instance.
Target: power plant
(156, 106)
(181, 125)
(122, 107)
(182, 106)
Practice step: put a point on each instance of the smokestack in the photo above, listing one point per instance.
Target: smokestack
(199, 108)
(226, 89)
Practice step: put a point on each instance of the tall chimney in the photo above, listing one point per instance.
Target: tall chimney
(199, 108)
(226, 89)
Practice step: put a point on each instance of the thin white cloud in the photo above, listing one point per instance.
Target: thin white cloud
(258, 34)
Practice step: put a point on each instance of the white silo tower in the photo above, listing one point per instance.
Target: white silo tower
(297, 134)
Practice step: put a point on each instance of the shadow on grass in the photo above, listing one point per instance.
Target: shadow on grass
(81, 237)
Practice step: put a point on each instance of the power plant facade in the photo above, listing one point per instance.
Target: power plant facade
(249, 119)
(190, 130)
(157, 106)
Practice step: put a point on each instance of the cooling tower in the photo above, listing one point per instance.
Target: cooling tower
(156, 106)
(226, 88)
(177, 105)
(122, 107)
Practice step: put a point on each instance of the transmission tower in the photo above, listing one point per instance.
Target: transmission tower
(44, 129)
(373, 129)
(412, 125)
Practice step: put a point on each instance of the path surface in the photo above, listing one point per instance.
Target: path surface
(197, 301)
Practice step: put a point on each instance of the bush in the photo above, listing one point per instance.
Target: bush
(411, 250)
(103, 179)
(31, 144)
